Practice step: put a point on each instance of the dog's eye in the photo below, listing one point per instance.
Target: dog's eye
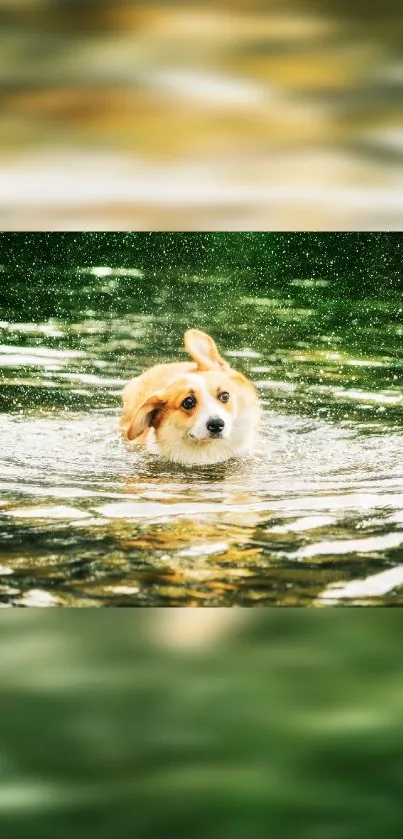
(189, 403)
(224, 396)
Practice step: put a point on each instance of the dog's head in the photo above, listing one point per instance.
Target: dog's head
(200, 416)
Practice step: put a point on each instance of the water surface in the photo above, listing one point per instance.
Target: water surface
(314, 518)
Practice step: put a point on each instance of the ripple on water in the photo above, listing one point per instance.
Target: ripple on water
(140, 531)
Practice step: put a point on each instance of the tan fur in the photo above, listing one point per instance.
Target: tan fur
(153, 414)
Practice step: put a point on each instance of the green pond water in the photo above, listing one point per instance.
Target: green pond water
(315, 518)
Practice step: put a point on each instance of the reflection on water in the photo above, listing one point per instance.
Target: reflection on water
(226, 115)
(315, 518)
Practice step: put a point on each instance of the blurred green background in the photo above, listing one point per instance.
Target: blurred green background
(282, 722)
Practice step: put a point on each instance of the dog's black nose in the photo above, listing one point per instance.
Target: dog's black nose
(215, 425)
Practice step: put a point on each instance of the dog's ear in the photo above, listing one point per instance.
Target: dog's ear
(143, 415)
(203, 350)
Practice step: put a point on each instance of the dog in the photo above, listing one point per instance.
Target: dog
(192, 413)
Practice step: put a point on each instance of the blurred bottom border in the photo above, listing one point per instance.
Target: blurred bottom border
(203, 722)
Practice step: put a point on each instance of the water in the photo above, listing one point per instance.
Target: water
(315, 518)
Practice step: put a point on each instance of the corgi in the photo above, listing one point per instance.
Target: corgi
(192, 413)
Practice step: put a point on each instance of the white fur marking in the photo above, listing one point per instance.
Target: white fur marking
(211, 408)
